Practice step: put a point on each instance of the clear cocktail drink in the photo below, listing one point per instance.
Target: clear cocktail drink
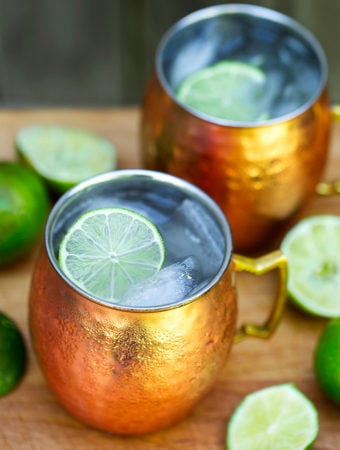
(194, 246)
(263, 168)
(141, 363)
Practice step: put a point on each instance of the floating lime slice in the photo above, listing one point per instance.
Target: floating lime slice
(277, 417)
(231, 90)
(63, 156)
(312, 249)
(108, 250)
(12, 355)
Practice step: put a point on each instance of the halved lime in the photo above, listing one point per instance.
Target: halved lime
(277, 417)
(312, 248)
(12, 355)
(231, 90)
(63, 156)
(107, 250)
(327, 360)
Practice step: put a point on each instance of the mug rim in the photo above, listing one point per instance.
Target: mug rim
(195, 192)
(250, 10)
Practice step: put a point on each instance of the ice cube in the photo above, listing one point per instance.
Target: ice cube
(290, 99)
(193, 56)
(156, 206)
(274, 85)
(192, 231)
(168, 286)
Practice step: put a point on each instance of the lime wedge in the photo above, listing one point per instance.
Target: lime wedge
(231, 90)
(63, 156)
(108, 250)
(277, 417)
(312, 249)
(12, 355)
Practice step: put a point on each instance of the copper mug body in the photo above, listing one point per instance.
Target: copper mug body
(261, 174)
(136, 370)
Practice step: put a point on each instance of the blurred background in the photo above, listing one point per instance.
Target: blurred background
(100, 52)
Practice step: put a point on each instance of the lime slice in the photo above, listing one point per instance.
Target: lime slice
(108, 250)
(312, 248)
(277, 417)
(327, 360)
(12, 355)
(63, 156)
(230, 90)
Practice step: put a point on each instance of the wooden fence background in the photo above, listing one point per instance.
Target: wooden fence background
(100, 52)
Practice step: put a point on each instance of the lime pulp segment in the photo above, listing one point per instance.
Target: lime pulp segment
(231, 90)
(64, 154)
(108, 250)
(277, 417)
(312, 248)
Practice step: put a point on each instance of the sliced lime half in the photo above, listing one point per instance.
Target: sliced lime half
(108, 250)
(277, 417)
(312, 248)
(63, 156)
(231, 90)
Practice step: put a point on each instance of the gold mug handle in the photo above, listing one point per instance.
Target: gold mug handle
(259, 266)
(327, 188)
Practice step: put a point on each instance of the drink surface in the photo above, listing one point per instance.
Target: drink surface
(194, 244)
(252, 89)
(289, 60)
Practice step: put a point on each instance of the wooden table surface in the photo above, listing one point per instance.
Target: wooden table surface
(31, 417)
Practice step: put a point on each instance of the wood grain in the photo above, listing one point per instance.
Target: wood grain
(30, 416)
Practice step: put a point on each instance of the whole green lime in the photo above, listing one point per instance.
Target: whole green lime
(12, 354)
(327, 360)
(24, 205)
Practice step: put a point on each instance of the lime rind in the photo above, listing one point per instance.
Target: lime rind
(279, 416)
(312, 249)
(230, 90)
(12, 355)
(108, 250)
(327, 360)
(64, 155)
(24, 206)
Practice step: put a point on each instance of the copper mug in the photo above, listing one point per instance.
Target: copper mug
(261, 174)
(135, 370)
